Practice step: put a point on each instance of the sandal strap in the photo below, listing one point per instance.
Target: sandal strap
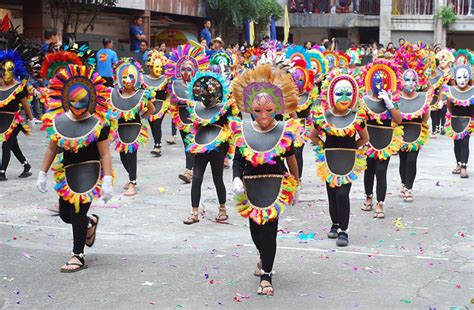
(79, 256)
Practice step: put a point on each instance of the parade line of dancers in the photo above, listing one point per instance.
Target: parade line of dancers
(259, 110)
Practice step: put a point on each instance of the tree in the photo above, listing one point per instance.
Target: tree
(234, 13)
(72, 13)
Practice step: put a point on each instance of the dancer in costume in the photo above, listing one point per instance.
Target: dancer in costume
(262, 185)
(414, 107)
(129, 100)
(184, 62)
(157, 83)
(303, 78)
(460, 117)
(340, 160)
(209, 109)
(382, 83)
(13, 97)
(440, 77)
(79, 122)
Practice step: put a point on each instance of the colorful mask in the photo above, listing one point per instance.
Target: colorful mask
(299, 75)
(263, 109)
(382, 75)
(343, 92)
(128, 74)
(410, 81)
(445, 58)
(157, 67)
(78, 94)
(462, 74)
(208, 90)
(8, 71)
(187, 70)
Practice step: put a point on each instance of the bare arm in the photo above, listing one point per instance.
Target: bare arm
(150, 111)
(426, 117)
(26, 106)
(103, 147)
(293, 166)
(314, 136)
(363, 137)
(396, 116)
(49, 155)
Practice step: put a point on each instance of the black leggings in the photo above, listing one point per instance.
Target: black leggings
(156, 131)
(264, 237)
(339, 205)
(11, 146)
(173, 128)
(79, 223)
(376, 168)
(129, 162)
(216, 159)
(189, 156)
(408, 168)
(299, 159)
(461, 151)
(435, 120)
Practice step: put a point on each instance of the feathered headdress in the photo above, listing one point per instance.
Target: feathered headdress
(265, 79)
(463, 57)
(272, 45)
(343, 60)
(20, 71)
(156, 55)
(54, 62)
(252, 55)
(57, 101)
(299, 56)
(412, 57)
(333, 77)
(391, 75)
(318, 62)
(183, 53)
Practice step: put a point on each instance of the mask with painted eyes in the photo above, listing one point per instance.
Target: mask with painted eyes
(331, 61)
(299, 77)
(78, 96)
(157, 68)
(263, 109)
(187, 70)
(343, 95)
(377, 83)
(8, 71)
(410, 81)
(462, 76)
(129, 76)
(208, 90)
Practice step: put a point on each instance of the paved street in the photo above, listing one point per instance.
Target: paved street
(420, 256)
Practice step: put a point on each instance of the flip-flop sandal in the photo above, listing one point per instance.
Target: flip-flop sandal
(465, 176)
(157, 154)
(25, 174)
(222, 218)
(91, 239)
(376, 215)
(81, 266)
(261, 288)
(192, 219)
(130, 193)
(456, 171)
(367, 207)
(126, 185)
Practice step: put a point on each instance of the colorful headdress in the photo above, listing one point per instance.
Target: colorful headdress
(445, 54)
(382, 74)
(130, 67)
(156, 57)
(463, 57)
(272, 45)
(319, 64)
(20, 72)
(207, 85)
(185, 53)
(334, 78)
(265, 79)
(299, 56)
(355, 55)
(343, 60)
(412, 57)
(252, 55)
(87, 55)
(54, 62)
(331, 58)
(222, 59)
(76, 78)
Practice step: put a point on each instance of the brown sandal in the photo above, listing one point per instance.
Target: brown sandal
(81, 264)
(367, 206)
(379, 214)
(222, 215)
(194, 218)
(91, 239)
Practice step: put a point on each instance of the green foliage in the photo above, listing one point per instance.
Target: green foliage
(233, 13)
(447, 15)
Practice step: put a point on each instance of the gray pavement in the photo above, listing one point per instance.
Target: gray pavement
(145, 257)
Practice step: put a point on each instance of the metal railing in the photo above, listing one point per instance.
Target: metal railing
(366, 7)
(426, 7)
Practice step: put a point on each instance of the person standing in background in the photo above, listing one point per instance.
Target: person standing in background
(106, 58)
(144, 50)
(51, 39)
(136, 34)
(206, 32)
